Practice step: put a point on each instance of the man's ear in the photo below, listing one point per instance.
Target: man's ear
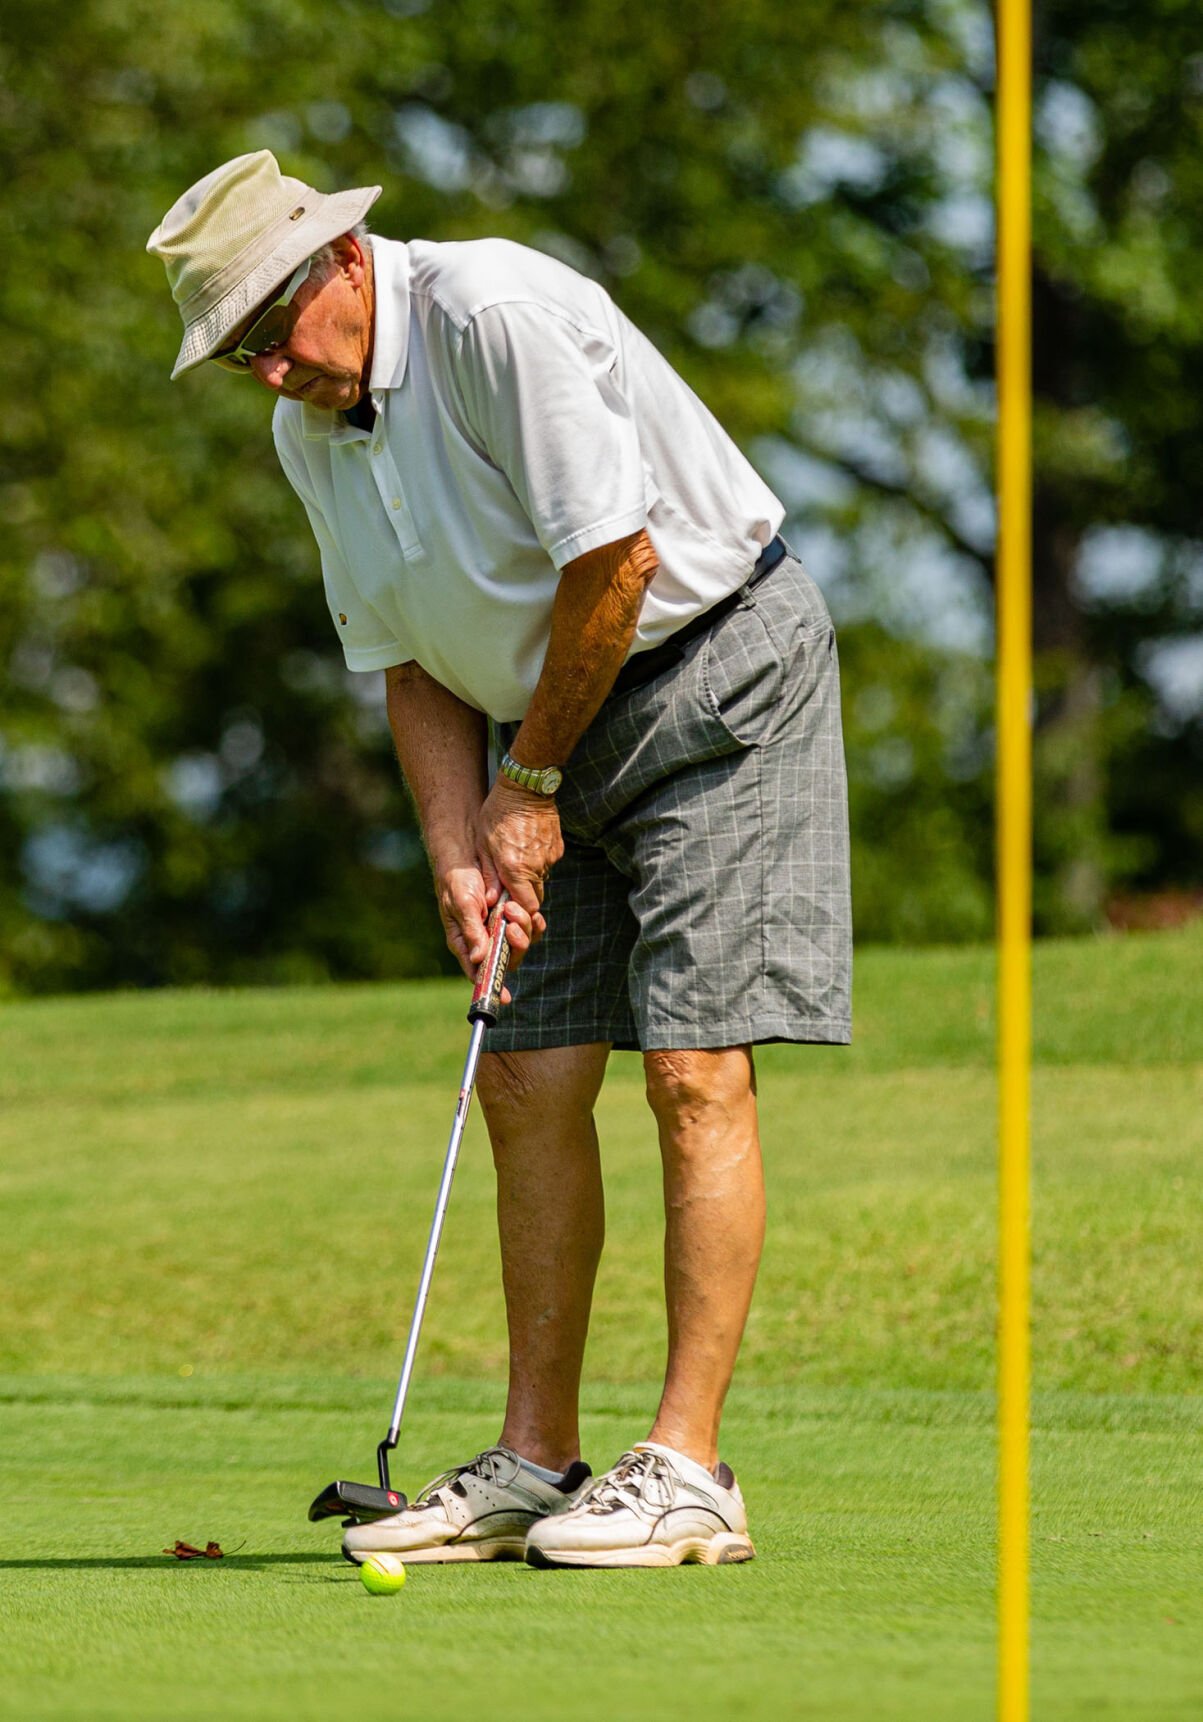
(351, 259)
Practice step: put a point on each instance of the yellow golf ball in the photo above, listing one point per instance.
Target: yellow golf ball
(382, 1574)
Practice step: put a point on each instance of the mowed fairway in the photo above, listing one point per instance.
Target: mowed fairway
(214, 1211)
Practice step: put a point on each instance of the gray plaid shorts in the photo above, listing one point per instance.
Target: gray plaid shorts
(703, 896)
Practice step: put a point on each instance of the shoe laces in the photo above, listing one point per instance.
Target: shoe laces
(495, 1465)
(640, 1482)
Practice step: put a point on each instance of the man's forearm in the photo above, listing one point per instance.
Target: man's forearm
(442, 750)
(441, 747)
(593, 622)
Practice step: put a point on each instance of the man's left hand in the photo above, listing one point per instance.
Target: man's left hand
(518, 834)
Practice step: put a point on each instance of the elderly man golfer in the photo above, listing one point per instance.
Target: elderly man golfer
(524, 515)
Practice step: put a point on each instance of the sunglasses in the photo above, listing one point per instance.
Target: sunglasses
(270, 330)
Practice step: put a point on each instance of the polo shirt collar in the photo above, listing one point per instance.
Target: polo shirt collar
(390, 262)
(390, 345)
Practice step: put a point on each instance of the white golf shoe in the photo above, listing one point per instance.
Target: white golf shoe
(656, 1508)
(481, 1511)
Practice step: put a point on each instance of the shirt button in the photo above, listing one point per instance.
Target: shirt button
(376, 447)
(396, 502)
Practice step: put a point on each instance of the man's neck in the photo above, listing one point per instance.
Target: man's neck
(369, 291)
(363, 414)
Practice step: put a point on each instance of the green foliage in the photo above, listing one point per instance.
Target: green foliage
(918, 743)
(794, 203)
(192, 789)
(1118, 371)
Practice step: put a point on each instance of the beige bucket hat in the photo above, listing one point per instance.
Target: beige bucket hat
(235, 235)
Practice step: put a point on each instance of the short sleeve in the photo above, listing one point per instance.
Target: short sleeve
(540, 394)
(366, 642)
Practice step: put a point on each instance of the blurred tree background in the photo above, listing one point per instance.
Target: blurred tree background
(795, 203)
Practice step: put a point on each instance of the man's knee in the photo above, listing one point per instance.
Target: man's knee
(507, 1081)
(554, 1082)
(684, 1087)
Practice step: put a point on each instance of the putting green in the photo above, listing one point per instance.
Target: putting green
(203, 1193)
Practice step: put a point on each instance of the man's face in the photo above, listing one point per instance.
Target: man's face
(326, 357)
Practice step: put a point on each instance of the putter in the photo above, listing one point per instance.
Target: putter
(363, 1502)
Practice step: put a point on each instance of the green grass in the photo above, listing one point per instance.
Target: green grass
(214, 1209)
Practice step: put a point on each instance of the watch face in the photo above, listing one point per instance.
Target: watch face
(552, 779)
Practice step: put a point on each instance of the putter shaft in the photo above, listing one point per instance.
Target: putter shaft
(467, 1083)
(482, 1014)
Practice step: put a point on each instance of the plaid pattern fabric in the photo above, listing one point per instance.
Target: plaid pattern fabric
(703, 897)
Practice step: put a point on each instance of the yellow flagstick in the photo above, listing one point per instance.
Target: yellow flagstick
(1014, 818)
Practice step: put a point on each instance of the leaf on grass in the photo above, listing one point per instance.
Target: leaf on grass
(188, 1552)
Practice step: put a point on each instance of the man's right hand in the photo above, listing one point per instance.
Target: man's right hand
(465, 903)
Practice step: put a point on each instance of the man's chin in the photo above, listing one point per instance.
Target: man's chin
(330, 394)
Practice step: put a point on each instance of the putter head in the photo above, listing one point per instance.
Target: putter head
(362, 1501)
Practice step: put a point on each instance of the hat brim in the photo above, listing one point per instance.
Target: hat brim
(336, 214)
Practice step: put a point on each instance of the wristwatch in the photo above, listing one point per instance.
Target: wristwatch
(543, 779)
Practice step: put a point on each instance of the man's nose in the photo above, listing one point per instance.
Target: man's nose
(271, 369)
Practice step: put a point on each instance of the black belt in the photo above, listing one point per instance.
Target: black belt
(646, 666)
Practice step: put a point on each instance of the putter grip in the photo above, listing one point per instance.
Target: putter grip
(486, 999)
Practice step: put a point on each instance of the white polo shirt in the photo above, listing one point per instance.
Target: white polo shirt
(523, 420)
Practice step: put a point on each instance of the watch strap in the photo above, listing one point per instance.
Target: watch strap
(542, 779)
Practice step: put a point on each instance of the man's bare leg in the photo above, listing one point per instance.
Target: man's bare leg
(551, 1219)
(705, 1108)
